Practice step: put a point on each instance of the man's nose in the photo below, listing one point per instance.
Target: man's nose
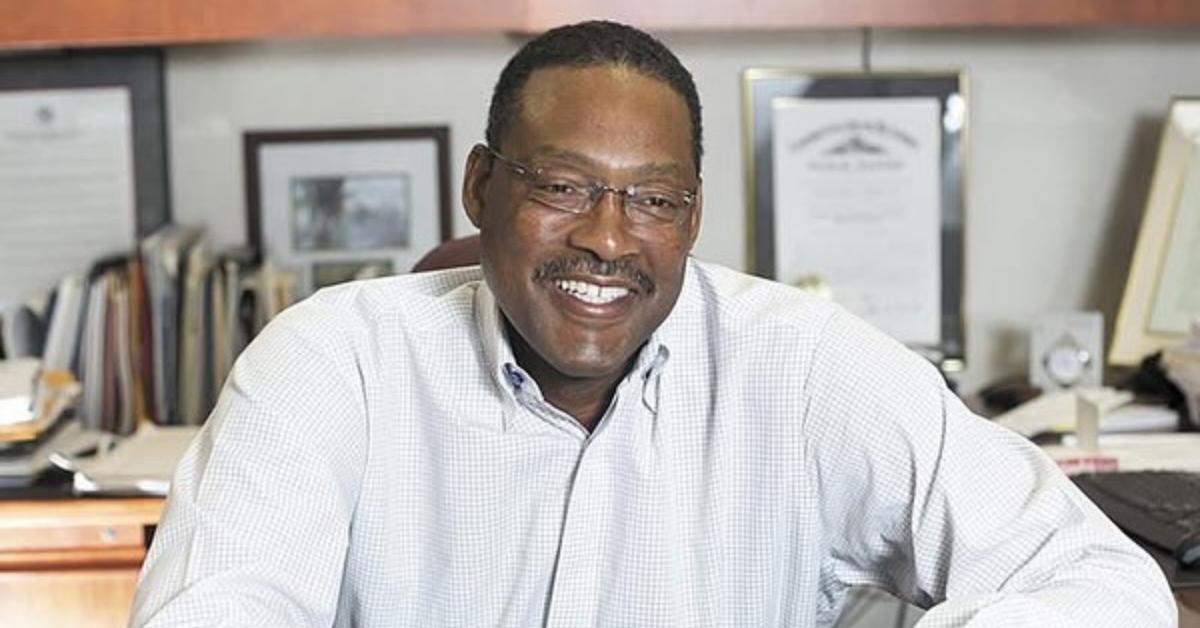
(604, 230)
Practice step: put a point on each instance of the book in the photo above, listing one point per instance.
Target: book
(163, 259)
(92, 352)
(22, 330)
(61, 336)
(140, 344)
(193, 370)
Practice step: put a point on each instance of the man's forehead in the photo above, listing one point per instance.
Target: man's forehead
(550, 88)
(558, 80)
(558, 154)
(619, 102)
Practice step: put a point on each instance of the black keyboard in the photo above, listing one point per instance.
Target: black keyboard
(1159, 507)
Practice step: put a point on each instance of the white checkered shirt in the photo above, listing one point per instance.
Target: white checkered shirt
(377, 458)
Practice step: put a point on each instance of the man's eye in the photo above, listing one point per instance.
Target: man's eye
(559, 187)
(658, 201)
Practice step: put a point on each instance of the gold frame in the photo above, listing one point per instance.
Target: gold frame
(1133, 339)
(951, 354)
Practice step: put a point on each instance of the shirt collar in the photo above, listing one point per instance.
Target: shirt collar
(498, 355)
(668, 338)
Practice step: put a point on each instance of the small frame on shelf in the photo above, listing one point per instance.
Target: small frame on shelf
(339, 204)
(855, 191)
(1162, 294)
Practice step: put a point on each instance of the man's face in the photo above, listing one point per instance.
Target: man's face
(585, 291)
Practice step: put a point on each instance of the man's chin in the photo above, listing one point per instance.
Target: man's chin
(588, 369)
(594, 364)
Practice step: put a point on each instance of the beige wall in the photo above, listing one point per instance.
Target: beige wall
(1063, 131)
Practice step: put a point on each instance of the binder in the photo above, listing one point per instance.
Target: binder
(163, 259)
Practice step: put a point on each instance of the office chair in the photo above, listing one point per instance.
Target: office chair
(450, 254)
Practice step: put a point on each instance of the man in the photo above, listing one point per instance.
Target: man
(594, 429)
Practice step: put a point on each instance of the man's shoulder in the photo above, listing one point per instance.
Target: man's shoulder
(417, 300)
(742, 300)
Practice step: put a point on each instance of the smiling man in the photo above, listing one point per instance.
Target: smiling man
(585, 271)
(594, 429)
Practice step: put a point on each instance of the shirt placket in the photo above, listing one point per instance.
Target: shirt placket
(582, 556)
(577, 570)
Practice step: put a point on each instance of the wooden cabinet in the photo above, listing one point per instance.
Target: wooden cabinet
(25, 23)
(71, 562)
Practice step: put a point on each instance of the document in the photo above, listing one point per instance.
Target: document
(139, 464)
(858, 207)
(66, 184)
(1177, 295)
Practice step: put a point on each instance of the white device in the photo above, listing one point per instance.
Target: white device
(1066, 351)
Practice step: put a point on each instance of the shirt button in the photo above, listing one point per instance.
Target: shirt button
(515, 378)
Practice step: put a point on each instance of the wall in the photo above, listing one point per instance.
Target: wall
(1063, 131)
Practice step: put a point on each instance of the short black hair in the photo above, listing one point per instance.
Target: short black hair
(594, 43)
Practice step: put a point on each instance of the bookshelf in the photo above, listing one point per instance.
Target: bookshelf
(83, 23)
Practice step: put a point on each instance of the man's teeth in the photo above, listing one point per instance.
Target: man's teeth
(590, 292)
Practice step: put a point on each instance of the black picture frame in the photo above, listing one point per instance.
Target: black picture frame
(333, 147)
(761, 86)
(140, 70)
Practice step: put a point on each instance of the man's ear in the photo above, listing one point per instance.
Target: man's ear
(475, 179)
(694, 219)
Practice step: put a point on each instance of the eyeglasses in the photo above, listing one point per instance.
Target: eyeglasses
(573, 192)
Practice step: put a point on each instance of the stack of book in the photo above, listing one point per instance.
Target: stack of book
(32, 425)
(151, 335)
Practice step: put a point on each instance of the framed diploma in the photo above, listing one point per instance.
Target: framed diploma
(83, 162)
(855, 190)
(1162, 293)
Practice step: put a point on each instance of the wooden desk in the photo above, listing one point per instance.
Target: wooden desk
(72, 562)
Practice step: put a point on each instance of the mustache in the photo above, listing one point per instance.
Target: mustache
(561, 267)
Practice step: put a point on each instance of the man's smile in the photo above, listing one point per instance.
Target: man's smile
(594, 294)
(592, 298)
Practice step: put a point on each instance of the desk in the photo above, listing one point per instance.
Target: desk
(1136, 452)
(72, 562)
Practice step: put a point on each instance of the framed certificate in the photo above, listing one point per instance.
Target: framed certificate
(83, 162)
(855, 189)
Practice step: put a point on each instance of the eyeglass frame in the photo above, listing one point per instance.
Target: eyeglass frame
(596, 190)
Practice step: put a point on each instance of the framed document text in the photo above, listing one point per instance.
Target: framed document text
(344, 203)
(1162, 292)
(82, 162)
(855, 187)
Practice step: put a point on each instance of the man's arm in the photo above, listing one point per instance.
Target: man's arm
(955, 513)
(256, 526)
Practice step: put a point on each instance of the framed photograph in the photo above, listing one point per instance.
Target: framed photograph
(855, 190)
(342, 204)
(1162, 294)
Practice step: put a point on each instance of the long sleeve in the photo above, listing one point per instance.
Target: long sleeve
(256, 527)
(954, 513)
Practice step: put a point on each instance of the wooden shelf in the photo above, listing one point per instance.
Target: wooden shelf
(82, 23)
(830, 14)
(86, 23)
